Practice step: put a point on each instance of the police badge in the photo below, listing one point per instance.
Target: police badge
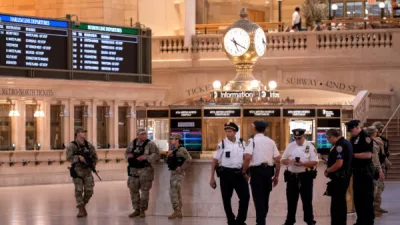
(297, 133)
(368, 140)
(339, 149)
(307, 149)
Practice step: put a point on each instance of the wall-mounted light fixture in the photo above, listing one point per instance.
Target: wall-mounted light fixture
(13, 112)
(39, 112)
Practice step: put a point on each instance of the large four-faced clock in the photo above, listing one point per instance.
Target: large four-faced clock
(236, 42)
(260, 42)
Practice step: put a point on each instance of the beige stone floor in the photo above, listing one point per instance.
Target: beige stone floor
(54, 205)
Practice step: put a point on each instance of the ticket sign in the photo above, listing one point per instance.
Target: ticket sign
(222, 113)
(299, 112)
(185, 113)
(328, 113)
(261, 112)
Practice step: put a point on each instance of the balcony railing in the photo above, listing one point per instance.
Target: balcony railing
(351, 43)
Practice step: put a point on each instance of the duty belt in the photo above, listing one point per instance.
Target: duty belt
(262, 165)
(235, 170)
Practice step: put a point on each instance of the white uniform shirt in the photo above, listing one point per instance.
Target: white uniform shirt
(306, 152)
(232, 155)
(295, 18)
(264, 150)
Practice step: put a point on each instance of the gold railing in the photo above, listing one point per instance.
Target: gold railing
(220, 27)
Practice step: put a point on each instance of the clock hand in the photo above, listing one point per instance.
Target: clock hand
(236, 44)
(241, 46)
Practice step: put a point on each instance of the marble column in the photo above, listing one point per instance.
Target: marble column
(71, 131)
(190, 21)
(132, 122)
(18, 126)
(114, 125)
(43, 126)
(94, 123)
(66, 124)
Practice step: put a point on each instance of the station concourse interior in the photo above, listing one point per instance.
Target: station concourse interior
(113, 67)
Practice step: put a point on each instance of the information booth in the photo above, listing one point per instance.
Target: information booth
(188, 123)
(214, 120)
(270, 115)
(327, 119)
(294, 118)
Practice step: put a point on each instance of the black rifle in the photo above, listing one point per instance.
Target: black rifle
(88, 162)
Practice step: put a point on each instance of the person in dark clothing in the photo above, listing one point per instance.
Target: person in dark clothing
(339, 171)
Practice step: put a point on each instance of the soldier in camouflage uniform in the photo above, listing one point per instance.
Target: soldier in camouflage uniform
(379, 186)
(177, 160)
(83, 180)
(141, 154)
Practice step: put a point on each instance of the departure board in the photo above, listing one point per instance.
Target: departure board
(104, 48)
(33, 42)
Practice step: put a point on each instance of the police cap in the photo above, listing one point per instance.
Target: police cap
(378, 124)
(352, 124)
(79, 129)
(260, 124)
(297, 133)
(232, 126)
(175, 136)
(141, 131)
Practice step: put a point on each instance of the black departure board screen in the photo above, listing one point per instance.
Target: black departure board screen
(104, 49)
(33, 42)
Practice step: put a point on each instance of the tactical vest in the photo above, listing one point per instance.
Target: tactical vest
(175, 161)
(138, 151)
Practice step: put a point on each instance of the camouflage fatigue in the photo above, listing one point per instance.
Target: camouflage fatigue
(379, 186)
(142, 178)
(84, 183)
(176, 178)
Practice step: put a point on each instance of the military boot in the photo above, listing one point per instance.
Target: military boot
(383, 210)
(84, 210)
(81, 212)
(142, 214)
(176, 214)
(377, 212)
(135, 214)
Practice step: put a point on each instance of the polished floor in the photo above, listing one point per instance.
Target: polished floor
(54, 205)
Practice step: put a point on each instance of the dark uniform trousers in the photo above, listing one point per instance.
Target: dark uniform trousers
(232, 179)
(300, 184)
(261, 186)
(363, 188)
(338, 200)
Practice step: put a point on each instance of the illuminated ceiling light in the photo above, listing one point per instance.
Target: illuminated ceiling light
(272, 85)
(334, 7)
(255, 83)
(217, 84)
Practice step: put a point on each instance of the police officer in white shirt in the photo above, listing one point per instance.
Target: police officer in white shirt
(264, 156)
(230, 156)
(301, 158)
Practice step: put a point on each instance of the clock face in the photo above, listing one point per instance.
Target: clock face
(260, 42)
(236, 41)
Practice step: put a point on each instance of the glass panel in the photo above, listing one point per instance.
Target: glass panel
(374, 10)
(30, 125)
(80, 116)
(5, 128)
(102, 127)
(123, 127)
(354, 9)
(158, 131)
(339, 11)
(56, 127)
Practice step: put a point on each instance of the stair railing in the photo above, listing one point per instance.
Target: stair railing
(398, 119)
